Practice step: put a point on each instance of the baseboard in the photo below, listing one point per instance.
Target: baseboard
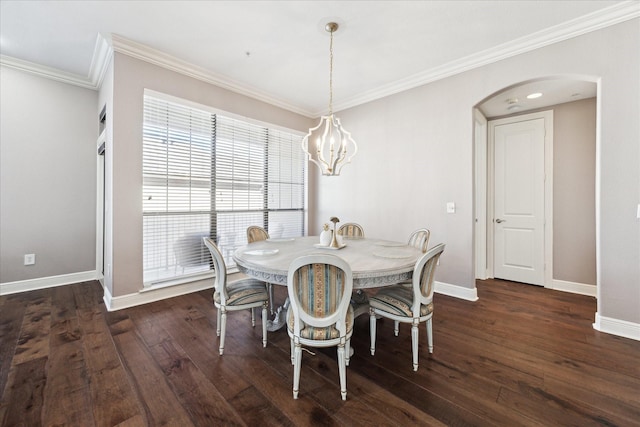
(154, 294)
(622, 328)
(46, 282)
(469, 294)
(573, 287)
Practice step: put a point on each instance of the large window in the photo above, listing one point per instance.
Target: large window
(206, 174)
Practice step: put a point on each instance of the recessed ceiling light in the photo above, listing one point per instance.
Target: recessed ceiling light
(534, 95)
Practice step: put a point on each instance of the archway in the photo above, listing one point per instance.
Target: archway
(573, 99)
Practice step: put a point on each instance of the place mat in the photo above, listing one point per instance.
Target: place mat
(261, 252)
(395, 253)
(391, 244)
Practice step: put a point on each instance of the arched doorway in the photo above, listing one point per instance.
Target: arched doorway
(570, 244)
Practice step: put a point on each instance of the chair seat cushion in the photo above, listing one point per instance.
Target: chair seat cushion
(314, 333)
(244, 291)
(397, 300)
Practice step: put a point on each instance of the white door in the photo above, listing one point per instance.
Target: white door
(519, 163)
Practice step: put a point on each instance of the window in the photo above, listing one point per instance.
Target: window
(206, 174)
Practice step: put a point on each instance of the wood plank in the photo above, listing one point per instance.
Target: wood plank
(33, 342)
(23, 398)
(13, 309)
(67, 395)
(149, 382)
(113, 400)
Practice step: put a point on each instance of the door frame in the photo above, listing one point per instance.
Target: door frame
(547, 116)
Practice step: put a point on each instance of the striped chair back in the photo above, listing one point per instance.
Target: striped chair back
(420, 239)
(351, 229)
(255, 234)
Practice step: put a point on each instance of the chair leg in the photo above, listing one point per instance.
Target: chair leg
(430, 335)
(396, 327)
(223, 329)
(293, 356)
(218, 321)
(414, 344)
(296, 369)
(372, 331)
(343, 371)
(253, 317)
(347, 352)
(264, 324)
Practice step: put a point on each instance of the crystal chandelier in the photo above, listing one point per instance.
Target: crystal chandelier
(333, 147)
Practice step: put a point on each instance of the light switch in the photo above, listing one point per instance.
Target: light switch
(451, 207)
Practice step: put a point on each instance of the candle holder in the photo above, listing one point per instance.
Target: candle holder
(334, 239)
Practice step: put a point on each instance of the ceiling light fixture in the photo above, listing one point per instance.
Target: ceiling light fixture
(333, 146)
(534, 95)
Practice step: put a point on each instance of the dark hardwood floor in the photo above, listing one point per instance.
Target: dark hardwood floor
(521, 355)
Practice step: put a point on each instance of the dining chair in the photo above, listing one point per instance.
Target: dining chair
(238, 295)
(409, 305)
(420, 239)
(351, 229)
(255, 234)
(320, 314)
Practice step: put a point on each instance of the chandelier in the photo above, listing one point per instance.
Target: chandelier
(333, 147)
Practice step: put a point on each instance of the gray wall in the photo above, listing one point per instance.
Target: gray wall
(416, 154)
(48, 138)
(574, 179)
(124, 193)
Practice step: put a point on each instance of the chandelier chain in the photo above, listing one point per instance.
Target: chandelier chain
(331, 75)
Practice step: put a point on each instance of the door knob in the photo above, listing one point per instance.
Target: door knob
(500, 220)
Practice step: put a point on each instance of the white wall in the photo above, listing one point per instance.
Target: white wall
(48, 176)
(415, 154)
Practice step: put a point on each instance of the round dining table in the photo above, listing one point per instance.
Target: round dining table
(374, 263)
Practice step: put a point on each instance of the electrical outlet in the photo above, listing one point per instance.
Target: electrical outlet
(451, 207)
(29, 259)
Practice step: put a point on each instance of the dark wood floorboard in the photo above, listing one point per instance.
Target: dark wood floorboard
(520, 356)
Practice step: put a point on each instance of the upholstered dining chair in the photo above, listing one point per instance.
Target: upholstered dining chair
(351, 229)
(409, 305)
(238, 295)
(320, 314)
(255, 234)
(420, 239)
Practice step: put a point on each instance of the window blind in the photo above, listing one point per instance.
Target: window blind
(209, 175)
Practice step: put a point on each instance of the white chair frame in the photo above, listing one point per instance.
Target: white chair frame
(338, 318)
(428, 260)
(220, 283)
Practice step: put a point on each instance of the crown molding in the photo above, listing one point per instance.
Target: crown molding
(145, 53)
(585, 24)
(46, 72)
(107, 45)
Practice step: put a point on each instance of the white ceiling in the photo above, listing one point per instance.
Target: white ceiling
(278, 51)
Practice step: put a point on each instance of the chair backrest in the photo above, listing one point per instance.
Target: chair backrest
(351, 229)
(420, 239)
(423, 277)
(320, 287)
(220, 267)
(255, 234)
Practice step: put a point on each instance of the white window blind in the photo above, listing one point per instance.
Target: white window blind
(209, 175)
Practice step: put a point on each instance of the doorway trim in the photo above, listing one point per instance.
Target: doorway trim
(489, 165)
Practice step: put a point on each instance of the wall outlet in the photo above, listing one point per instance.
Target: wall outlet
(451, 207)
(29, 259)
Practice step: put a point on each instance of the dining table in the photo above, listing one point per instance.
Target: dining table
(374, 263)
